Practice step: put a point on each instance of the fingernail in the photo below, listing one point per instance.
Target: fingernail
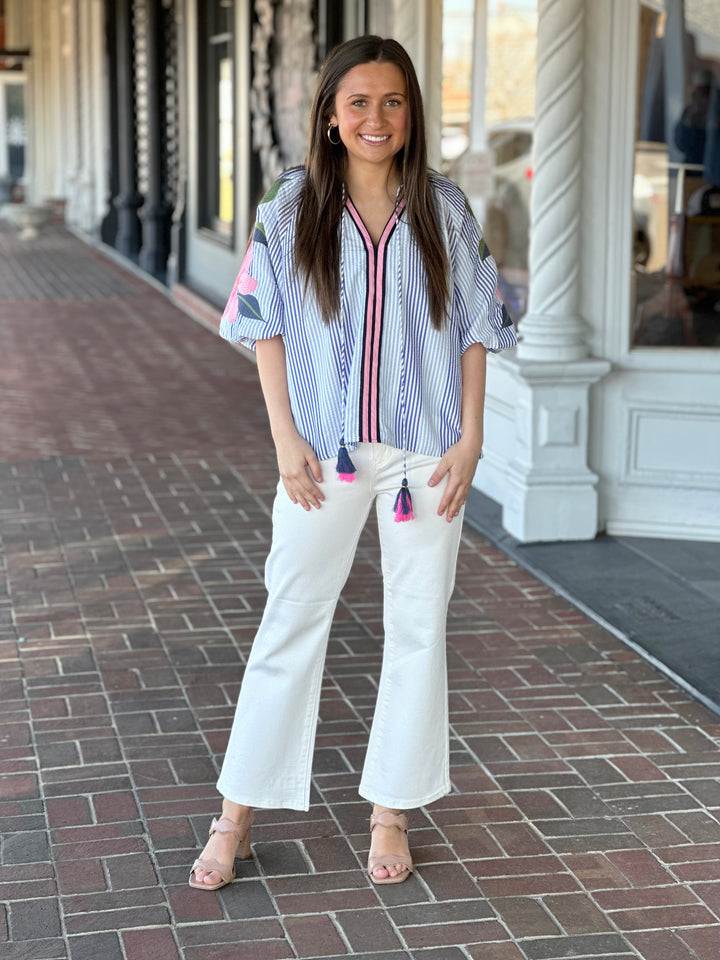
(431, 483)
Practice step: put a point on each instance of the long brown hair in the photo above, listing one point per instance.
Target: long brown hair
(317, 244)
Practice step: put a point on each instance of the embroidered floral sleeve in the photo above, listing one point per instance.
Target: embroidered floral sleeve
(254, 310)
(478, 307)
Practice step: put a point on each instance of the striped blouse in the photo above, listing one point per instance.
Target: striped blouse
(381, 372)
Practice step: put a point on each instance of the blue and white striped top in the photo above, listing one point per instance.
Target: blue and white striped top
(348, 379)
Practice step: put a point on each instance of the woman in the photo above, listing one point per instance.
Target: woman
(369, 296)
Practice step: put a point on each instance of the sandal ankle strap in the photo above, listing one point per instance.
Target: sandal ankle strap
(226, 825)
(388, 819)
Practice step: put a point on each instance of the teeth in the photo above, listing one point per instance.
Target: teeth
(367, 136)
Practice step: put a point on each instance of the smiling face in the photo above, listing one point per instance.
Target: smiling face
(371, 113)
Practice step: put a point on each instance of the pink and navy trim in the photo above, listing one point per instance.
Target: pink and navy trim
(372, 335)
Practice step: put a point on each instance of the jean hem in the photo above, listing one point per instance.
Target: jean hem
(403, 803)
(264, 803)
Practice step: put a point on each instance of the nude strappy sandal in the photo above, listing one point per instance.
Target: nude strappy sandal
(388, 819)
(226, 870)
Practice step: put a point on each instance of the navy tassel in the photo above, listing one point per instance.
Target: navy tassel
(403, 504)
(345, 467)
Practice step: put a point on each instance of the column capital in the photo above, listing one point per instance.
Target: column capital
(560, 372)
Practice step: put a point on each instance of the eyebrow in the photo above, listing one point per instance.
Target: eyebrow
(393, 93)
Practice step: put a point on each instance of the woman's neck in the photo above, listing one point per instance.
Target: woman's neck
(368, 181)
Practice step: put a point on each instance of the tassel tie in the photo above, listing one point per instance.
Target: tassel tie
(403, 504)
(345, 467)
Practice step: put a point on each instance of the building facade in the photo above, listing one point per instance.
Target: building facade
(159, 122)
(608, 415)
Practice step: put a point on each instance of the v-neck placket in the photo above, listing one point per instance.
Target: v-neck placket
(374, 308)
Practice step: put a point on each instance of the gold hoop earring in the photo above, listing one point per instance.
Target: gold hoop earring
(335, 143)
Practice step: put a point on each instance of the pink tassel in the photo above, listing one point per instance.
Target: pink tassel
(347, 477)
(403, 504)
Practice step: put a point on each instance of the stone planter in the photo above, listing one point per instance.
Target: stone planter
(30, 219)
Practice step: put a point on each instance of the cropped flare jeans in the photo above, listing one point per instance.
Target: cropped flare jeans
(269, 754)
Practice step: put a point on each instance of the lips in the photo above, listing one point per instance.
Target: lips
(371, 138)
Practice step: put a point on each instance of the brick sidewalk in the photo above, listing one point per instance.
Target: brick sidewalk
(135, 491)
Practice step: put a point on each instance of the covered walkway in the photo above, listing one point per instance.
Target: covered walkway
(136, 480)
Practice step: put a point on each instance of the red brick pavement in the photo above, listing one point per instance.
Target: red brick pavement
(135, 493)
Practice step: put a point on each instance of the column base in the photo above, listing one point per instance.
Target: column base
(129, 234)
(550, 492)
(538, 510)
(155, 248)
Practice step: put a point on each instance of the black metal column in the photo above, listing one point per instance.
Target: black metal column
(109, 225)
(128, 200)
(178, 173)
(156, 212)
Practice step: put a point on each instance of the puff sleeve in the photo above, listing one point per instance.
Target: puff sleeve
(477, 306)
(254, 310)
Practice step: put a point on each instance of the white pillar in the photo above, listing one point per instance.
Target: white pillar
(100, 121)
(70, 93)
(471, 171)
(478, 91)
(417, 25)
(551, 492)
(18, 24)
(553, 328)
(86, 178)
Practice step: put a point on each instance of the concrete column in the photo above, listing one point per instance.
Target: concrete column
(70, 87)
(18, 24)
(86, 178)
(551, 492)
(100, 143)
(44, 103)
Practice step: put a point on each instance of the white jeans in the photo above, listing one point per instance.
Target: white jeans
(269, 755)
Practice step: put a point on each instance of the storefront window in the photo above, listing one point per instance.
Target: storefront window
(488, 126)
(676, 194)
(216, 120)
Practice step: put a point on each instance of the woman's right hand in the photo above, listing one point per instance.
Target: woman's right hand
(299, 467)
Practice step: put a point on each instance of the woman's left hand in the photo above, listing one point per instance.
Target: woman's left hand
(459, 463)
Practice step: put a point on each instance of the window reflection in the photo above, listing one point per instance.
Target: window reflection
(676, 188)
(216, 120)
